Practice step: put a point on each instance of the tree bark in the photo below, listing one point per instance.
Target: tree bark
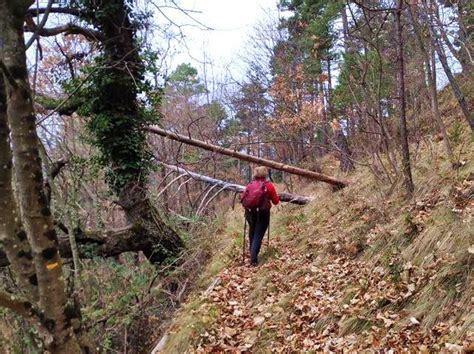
(123, 142)
(35, 211)
(241, 156)
(68, 29)
(56, 10)
(343, 152)
(12, 234)
(406, 167)
(159, 241)
(24, 308)
(345, 31)
(468, 115)
(461, 55)
(465, 35)
(110, 243)
(431, 83)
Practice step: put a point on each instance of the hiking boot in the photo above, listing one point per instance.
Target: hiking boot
(253, 263)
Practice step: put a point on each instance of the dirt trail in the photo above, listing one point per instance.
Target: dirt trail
(295, 302)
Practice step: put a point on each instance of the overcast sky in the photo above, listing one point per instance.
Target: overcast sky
(231, 22)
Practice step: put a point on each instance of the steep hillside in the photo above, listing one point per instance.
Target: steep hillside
(356, 269)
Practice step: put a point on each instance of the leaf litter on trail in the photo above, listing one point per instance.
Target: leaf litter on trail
(314, 311)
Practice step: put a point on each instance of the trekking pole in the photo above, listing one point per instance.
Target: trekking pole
(245, 236)
(268, 235)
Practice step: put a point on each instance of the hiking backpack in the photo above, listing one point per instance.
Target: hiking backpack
(255, 195)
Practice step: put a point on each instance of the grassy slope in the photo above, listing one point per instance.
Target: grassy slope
(386, 273)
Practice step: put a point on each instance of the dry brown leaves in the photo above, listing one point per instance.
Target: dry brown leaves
(292, 303)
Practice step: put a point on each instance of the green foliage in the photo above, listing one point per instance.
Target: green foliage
(251, 105)
(232, 127)
(101, 13)
(362, 71)
(456, 132)
(117, 117)
(184, 79)
(116, 300)
(47, 102)
(215, 111)
(311, 33)
(184, 73)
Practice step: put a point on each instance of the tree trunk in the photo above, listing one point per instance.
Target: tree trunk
(407, 177)
(249, 168)
(344, 153)
(164, 243)
(469, 116)
(431, 84)
(12, 236)
(465, 35)
(165, 193)
(238, 155)
(463, 60)
(33, 204)
(123, 142)
(110, 243)
(345, 30)
(325, 121)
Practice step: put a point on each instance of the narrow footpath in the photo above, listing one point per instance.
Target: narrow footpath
(289, 304)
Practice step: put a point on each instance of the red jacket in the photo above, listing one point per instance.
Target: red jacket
(273, 195)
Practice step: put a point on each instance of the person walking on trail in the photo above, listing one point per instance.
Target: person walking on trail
(257, 199)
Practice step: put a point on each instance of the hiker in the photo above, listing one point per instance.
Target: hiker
(257, 200)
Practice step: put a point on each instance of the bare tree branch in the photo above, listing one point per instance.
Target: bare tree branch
(41, 25)
(56, 10)
(338, 183)
(68, 29)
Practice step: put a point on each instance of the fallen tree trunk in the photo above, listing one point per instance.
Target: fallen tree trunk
(237, 188)
(130, 239)
(241, 156)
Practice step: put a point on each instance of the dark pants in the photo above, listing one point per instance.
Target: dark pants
(258, 221)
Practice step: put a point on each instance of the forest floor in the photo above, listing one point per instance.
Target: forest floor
(252, 309)
(353, 270)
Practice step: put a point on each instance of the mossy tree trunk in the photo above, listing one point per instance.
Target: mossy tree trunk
(117, 122)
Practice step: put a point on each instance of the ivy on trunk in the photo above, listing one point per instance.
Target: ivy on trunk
(117, 120)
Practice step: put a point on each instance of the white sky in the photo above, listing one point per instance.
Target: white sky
(232, 23)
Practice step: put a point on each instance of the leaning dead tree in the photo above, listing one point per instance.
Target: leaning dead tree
(241, 156)
(232, 187)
